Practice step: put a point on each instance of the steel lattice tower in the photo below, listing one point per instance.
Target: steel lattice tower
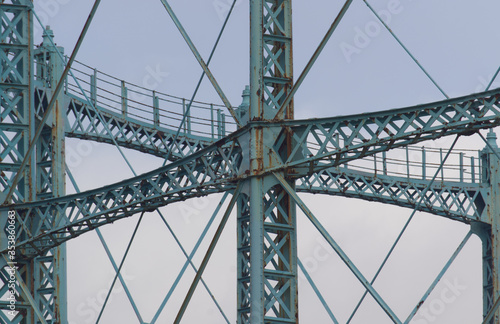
(263, 163)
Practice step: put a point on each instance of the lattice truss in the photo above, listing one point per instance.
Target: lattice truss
(15, 95)
(326, 151)
(279, 267)
(313, 154)
(5, 275)
(273, 264)
(243, 258)
(85, 123)
(277, 68)
(331, 142)
(207, 171)
(463, 203)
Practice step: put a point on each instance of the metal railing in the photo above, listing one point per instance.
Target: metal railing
(413, 162)
(155, 108)
(209, 121)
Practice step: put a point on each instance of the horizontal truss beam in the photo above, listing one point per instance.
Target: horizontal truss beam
(457, 201)
(328, 142)
(208, 171)
(84, 123)
(217, 167)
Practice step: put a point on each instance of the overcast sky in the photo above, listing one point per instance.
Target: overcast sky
(362, 69)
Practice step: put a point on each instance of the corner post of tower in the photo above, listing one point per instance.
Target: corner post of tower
(59, 181)
(267, 243)
(48, 60)
(489, 231)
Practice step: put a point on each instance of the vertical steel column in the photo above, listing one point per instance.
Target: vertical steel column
(243, 256)
(49, 271)
(483, 231)
(45, 276)
(490, 234)
(58, 150)
(267, 247)
(17, 129)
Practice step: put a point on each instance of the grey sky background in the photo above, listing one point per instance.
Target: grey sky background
(362, 69)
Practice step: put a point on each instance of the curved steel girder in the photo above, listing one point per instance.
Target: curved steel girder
(50, 222)
(84, 123)
(45, 224)
(328, 142)
(457, 201)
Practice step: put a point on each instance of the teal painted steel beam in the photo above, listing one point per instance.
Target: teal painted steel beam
(484, 232)
(267, 246)
(493, 79)
(82, 127)
(366, 134)
(51, 182)
(250, 302)
(17, 99)
(488, 234)
(465, 202)
(202, 173)
(120, 277)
